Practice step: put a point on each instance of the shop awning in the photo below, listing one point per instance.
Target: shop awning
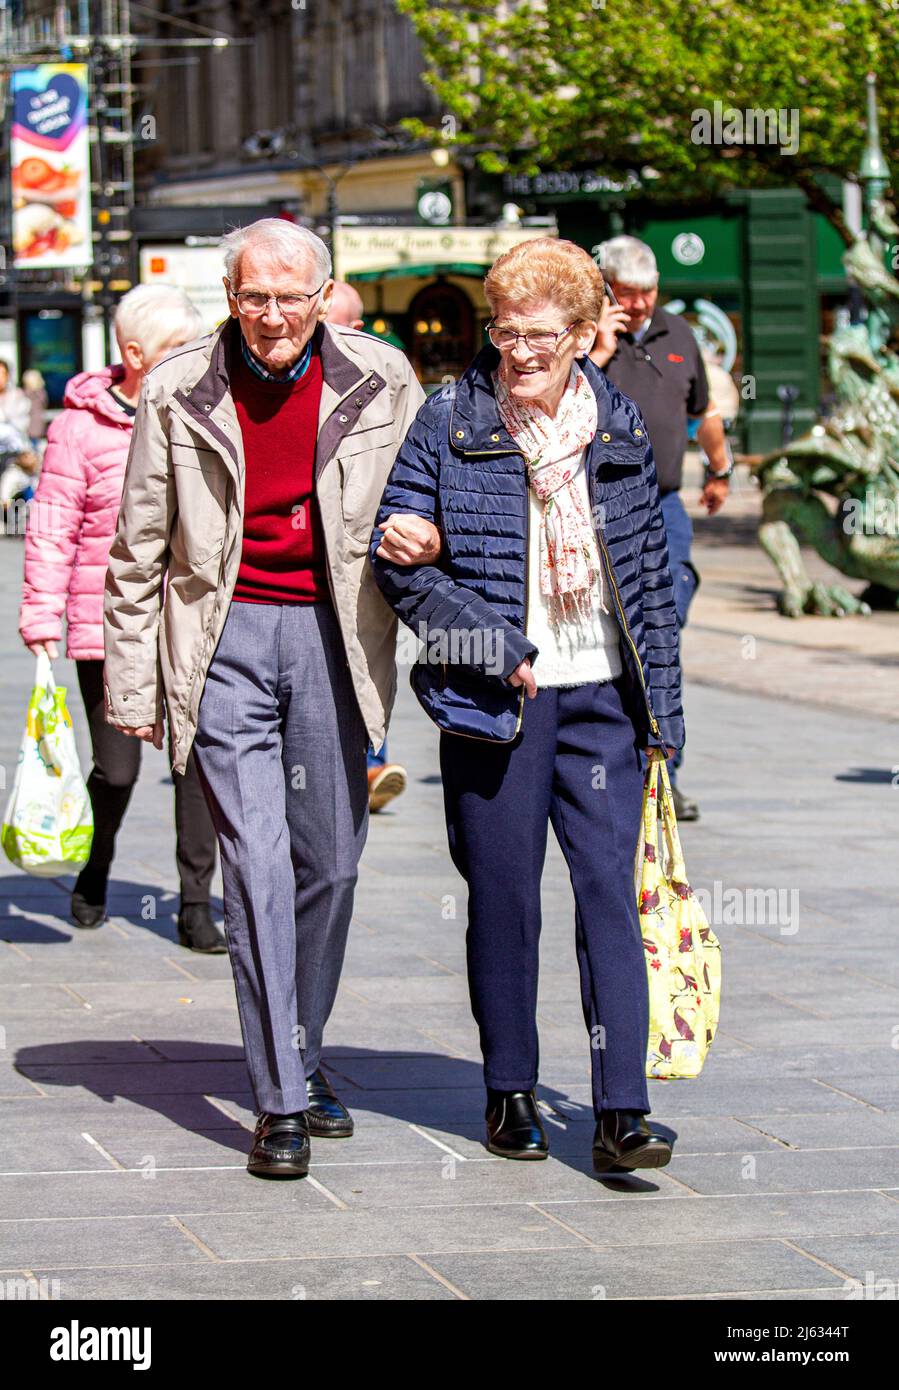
(365, 252)
(427, 271)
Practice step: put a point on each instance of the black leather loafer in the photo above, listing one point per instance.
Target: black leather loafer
(280, 1147)
(623, 1139)
(198, 932)
(328, 1117)
(514, 1128)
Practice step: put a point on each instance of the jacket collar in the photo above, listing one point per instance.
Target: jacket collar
(475, 425)
(339, 372)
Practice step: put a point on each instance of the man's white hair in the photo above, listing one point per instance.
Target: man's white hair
(629, 262)
(285, 242)
(153, 316)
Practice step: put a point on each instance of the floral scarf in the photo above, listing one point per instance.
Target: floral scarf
(552, 445)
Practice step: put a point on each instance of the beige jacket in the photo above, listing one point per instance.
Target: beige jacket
(181, 521)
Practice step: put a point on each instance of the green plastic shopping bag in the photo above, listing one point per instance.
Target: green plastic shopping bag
(48, 824)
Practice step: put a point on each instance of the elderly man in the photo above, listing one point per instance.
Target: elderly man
(653, 357)
(259, 457)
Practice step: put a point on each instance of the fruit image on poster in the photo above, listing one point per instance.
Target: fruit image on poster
(50, 158)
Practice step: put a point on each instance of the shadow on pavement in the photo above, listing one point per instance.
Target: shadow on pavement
(179, 1078)
(144, 905)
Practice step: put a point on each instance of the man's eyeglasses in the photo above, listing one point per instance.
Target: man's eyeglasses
(254, 302)
(538, 340)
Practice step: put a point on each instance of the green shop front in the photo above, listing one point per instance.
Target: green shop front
(758, 275)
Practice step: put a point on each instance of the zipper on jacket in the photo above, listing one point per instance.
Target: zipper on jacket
(627, 632)
(527, 540)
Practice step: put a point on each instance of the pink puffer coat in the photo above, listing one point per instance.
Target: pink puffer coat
(73, 517)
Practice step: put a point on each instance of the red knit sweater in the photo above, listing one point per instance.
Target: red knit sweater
(283, 556)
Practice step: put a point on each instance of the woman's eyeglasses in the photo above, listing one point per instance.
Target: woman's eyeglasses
(538, 340)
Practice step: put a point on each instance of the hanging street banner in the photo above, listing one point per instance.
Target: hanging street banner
(50, 158)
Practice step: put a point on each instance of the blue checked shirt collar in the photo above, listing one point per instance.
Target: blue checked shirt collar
(297, 370)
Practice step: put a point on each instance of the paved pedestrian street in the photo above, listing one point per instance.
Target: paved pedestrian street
(125, 1112)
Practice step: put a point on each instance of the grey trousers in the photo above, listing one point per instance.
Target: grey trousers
(280, 748)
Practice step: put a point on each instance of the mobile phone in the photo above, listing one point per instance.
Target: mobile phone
(610, 292)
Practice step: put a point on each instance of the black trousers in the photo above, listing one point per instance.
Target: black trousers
(110, 784)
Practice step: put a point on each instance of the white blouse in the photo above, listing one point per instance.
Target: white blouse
(577, 653)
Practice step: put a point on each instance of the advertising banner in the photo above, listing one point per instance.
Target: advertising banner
(50, 159)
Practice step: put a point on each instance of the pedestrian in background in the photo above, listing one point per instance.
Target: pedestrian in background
(259, 457)
(65, 568)
(15, 407)
(654, 358)
(35, 389)
(386, 780)
(561, 668)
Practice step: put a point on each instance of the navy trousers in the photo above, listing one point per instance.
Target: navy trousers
(684, 577)
(679, 535)
(575, 763)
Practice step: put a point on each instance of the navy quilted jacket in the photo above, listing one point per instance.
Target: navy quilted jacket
(459, 468)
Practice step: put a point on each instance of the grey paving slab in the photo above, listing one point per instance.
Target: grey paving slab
(24, 1149)
(101, 1241)
(445, 1181)
(872, 1260)
(311, 1280)
(798, 1170)
(153, 1192)
(78, 1109)
(748, 1216)
(510, 1227)
(29, 997)
(717, 1095)
(602, 1273)
(868, 1129)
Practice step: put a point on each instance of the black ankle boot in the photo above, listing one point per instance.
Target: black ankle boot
(198, 932)
(514, 1128)
(89, 896)
(624, 1139)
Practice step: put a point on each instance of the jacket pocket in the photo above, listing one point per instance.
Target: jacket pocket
(199, 530)
(362, 481)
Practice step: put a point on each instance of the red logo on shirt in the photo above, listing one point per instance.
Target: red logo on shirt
(674, 357)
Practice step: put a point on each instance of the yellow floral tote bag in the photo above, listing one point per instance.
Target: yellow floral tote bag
(683, 957)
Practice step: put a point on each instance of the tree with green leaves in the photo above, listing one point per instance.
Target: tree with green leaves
(622, 85)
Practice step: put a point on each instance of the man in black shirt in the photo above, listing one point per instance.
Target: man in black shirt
(653, 357)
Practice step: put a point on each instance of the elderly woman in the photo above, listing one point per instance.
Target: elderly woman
(552, 662)
(65, 568)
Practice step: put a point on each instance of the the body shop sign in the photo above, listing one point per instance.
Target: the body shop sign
(50, 167)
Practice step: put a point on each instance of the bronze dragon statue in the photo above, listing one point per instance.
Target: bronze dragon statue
(837, 487)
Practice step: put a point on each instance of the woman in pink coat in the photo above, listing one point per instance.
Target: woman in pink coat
(67, 543)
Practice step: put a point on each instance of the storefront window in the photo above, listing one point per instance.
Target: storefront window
(441, 333)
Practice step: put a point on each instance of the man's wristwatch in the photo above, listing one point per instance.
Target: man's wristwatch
(710, 472)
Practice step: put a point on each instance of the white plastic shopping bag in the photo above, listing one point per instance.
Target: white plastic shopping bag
(48, 824)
